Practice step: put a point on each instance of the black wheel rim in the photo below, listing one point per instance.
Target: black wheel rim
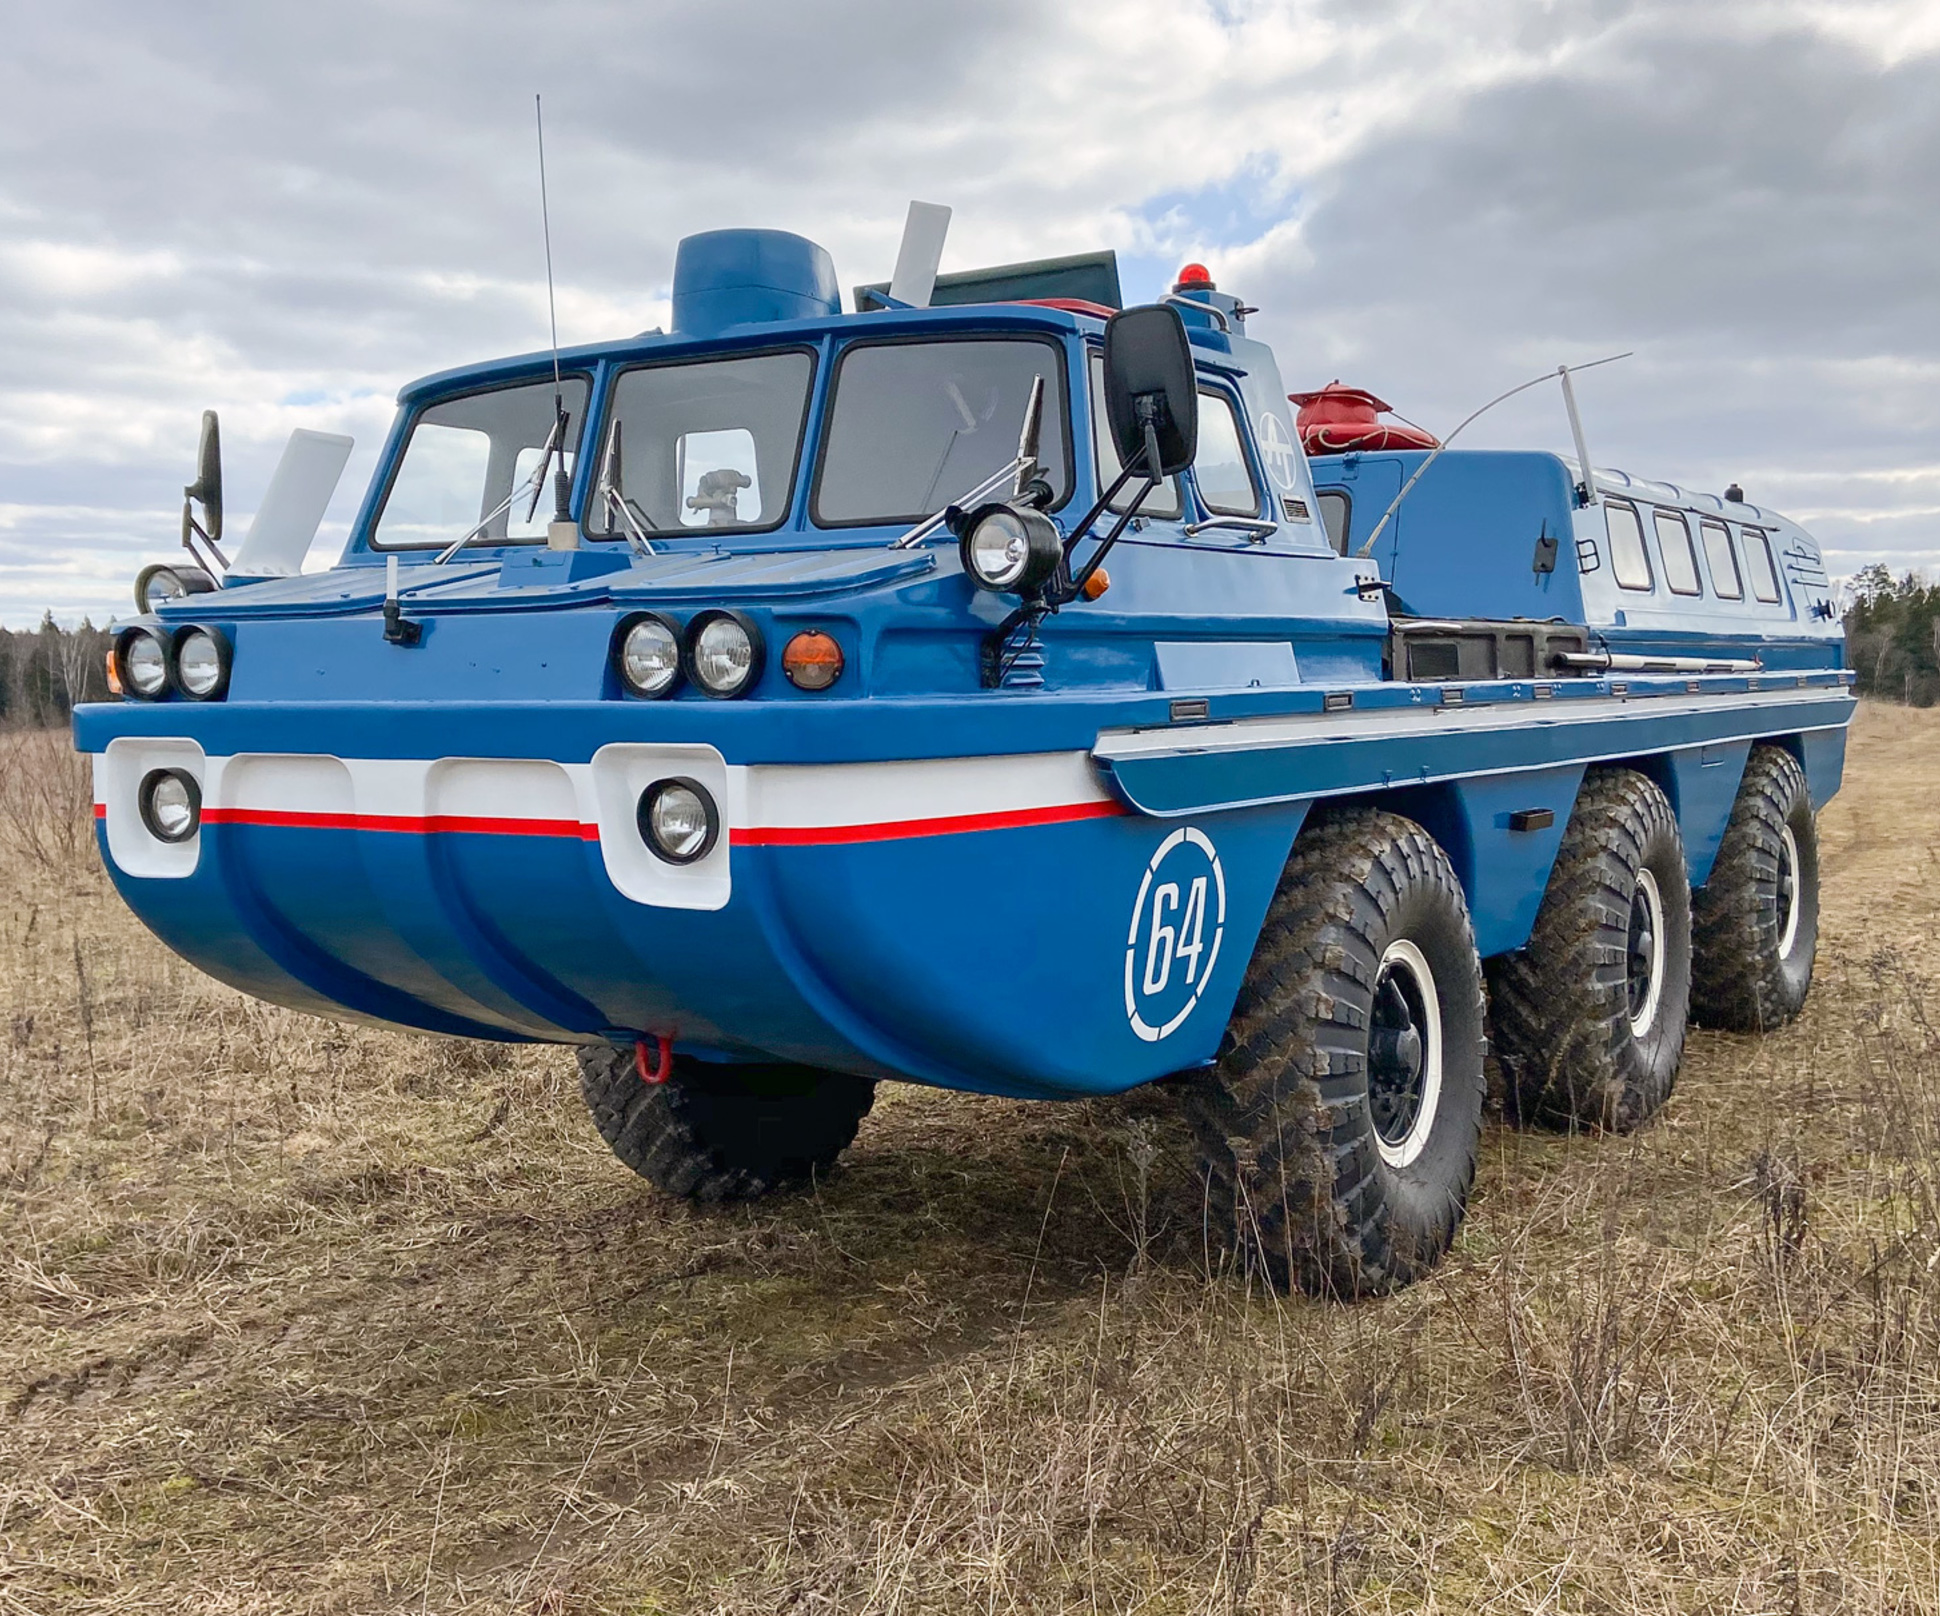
(1396, 1053)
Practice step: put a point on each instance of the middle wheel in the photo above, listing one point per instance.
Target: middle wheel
(1589, 1017)
(1339, 1127)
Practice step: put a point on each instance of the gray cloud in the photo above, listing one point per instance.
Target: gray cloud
(285, 211)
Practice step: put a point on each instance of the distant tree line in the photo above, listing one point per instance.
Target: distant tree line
(44, 672)
(1893, 636)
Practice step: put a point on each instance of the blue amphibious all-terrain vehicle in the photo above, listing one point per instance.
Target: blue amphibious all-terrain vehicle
(987, 689)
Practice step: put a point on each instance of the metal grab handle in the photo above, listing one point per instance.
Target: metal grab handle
(1253, 526)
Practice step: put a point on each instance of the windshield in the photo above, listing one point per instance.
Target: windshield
(710, 445)
(916, 424)
(465, 458)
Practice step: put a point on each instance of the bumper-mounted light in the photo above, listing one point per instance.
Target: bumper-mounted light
(678, 820)
(170, 803)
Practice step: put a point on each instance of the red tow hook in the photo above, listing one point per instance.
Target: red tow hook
(663, 1062)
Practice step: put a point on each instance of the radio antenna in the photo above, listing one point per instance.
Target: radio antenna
(561, 484)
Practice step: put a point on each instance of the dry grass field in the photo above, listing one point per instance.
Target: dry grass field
(307, 1318)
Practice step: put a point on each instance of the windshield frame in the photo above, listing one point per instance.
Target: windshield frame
(370, 524)
(1052, 340)
(607, 403)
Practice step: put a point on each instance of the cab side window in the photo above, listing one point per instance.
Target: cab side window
(1225, 479)
(1725, 579)
(1629, 561)
(1764, 572)
(1680, 560)
(1163, 502)
(1336, 510)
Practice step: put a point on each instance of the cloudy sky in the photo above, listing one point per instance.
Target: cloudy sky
(285, 211)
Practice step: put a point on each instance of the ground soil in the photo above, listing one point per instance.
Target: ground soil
(300, 1317)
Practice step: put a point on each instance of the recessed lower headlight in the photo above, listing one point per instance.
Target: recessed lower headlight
(171, 804)
(678, 820)
(647, 654)
(142, 657)
(201, 663)
(723, 653)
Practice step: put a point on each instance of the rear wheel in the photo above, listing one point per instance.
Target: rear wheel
(1589, 1017)
(1755, 923)
(1339, 1127)
(719, 1132)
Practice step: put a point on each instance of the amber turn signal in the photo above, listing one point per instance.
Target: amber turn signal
(812, 660)
(1096, 584)
(114, 675)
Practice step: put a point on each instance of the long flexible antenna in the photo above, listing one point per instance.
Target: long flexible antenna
(1564, 371)
(561, 485)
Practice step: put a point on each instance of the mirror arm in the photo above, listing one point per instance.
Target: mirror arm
(209, 557)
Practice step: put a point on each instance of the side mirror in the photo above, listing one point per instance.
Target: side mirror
(206, 490)
(1150, 384)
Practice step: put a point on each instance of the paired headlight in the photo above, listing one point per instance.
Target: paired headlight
(194, 661)
(648, 655)
(723, 653)
(720, 651)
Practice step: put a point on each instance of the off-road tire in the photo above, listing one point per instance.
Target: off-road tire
(1562, 1007)
(1742, 979)
(1297, 1179)
(722, 1133)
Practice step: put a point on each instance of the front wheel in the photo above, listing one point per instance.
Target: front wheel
(1339, 1127)
(718, 1132)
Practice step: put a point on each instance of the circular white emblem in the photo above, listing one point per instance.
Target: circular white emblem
(1177, 924)
(1276, 449)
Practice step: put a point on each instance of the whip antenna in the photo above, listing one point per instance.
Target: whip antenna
(561, 484)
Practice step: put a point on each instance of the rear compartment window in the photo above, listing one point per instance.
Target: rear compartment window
(1336, 510)
(1220, 469)
(914, 426)
(1629, 561)
(1725, 580)
(467, 466)
(708, 445)
(1680, 560)
(1764, 573)
(1164, 501)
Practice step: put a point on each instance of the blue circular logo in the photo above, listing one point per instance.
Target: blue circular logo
(1178, 922)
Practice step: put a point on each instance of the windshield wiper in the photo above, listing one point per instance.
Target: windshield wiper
(612, 499)
(536, 483)
(1022, 471)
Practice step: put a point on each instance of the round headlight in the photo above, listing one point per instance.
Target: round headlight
(201, 664)
(144, 663)
(165, 581)
(649, 659)
(1010, 548)
(678, 821)
(723, 653)
(171, 804)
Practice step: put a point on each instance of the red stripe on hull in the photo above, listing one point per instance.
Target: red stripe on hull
(403, 824)
(899, 829)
